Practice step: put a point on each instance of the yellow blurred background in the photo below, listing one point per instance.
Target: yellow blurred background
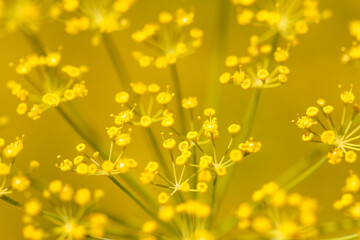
(315, 72)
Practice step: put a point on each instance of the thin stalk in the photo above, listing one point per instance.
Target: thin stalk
(349, 237)
(213, 194)
(213, 91)
(250, 115)
(179, 97)
(308, 172)
(34, 42)
(117, 61)
(135, 199)
(132, 196)
(11, 201)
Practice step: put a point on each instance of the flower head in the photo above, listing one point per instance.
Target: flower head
(279, 215)
(103, 17)
(94, 164)
(256, 70)
(71, 215)
(52, 84)
(10, 179)
(320, 127)
(171, 38)
(191, 172)
(24, 15)
(289, 18)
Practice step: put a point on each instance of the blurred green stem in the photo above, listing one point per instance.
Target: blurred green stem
(308, 172)
(213, 92)
(34, 42)
(11, 201)
(349, 237)
(179, 97)
(117, 61)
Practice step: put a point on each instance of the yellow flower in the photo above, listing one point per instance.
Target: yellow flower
(68, 89)
(168, 47)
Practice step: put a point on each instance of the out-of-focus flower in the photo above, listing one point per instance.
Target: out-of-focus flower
(171, 38)
(71, 215)
(194, 212)
(320, 127)
(349, 203)
(24, 15)
(351, 55)
(289, 18)
(259, 69)
(52, 84)
(279, 215)
(11, 180)
(102, 17)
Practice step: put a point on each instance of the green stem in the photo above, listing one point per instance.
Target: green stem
(300, 166)
(11, 201)
(132, 196)
(79, 130)
(213, 92)
(308, 172)
(213, 196)
(179, 97)
(117, 61)
(349, 237)
(250, 115)
(35, 42)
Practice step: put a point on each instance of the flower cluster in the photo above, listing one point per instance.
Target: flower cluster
(24, 15)
(71, 215)
(169, 39)
(187, 169)
(278, 214)
(137, 113)
(52, 84)
(289, 18)
(194, 212)
(84, 164)
(10, 179)
(348, 203)
(257, 70)
(351, 55)
(103, 17)
(319, 126)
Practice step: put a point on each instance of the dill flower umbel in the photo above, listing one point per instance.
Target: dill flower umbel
(257, 69)
(289, 18)
(191, 216)
(24, 15)
(190, 173)
(11, 180)
(102, 17)
(351, 55)
(320, 127)
(52, 84)
(93, 164)
(171, 38)
(278, 214)
(349, 203)
(148, 106)
(71, 214)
